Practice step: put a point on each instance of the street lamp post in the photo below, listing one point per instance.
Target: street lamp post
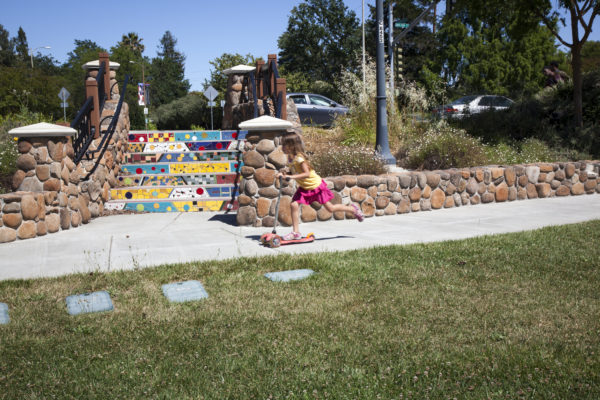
(32, 51)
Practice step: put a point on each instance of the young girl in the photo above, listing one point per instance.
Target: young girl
(310, 185)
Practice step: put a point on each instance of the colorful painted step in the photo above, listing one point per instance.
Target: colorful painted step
(181, 205)
(182, 168)
(172, 192)
(225, 178)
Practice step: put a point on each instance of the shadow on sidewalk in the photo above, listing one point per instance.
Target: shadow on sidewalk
(229, 219)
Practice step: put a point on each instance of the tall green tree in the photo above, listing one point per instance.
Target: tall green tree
(500, 51)
(167, 72)
(134, 42)
(322, 37)
(84, 51)
(7, 46)
(227, 60)
(135, 65)
(21, 46)
(590, 56)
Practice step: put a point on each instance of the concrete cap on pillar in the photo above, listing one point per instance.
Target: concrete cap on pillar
(43, 129)
(265, 123)
(96, 65)
(239, 70)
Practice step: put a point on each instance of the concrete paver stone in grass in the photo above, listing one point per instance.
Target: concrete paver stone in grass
(89, 303)
(292, 275)
(180, 292)
(4, 319)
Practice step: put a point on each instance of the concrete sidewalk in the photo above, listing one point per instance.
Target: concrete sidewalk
(143, 240)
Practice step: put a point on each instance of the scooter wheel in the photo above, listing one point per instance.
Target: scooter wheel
(275, 241)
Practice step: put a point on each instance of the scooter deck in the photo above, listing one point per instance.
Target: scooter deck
(273, 240)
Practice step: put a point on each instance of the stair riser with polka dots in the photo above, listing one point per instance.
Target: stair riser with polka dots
(179, 171)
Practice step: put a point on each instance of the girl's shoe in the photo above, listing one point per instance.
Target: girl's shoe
(292, 236)
(357, 213)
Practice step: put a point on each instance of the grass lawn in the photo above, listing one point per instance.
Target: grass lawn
(501, 317)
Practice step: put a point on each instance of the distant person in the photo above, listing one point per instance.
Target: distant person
(559, 75)
(550, 76)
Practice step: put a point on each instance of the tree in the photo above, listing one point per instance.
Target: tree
(590, 56)
(132, 62)
(184, 112)
(577, 12)
(322, 37)
(227, 60)
(167, 71)
(134, 42)
(489, 49)
(7, 55)
(581, 15)
(21, 45)
(84, 51)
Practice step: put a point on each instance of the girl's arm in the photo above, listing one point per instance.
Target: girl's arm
(305, 172)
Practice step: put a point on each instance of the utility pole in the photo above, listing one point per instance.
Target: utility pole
(391, 50)
(363, 49)
(382, 146)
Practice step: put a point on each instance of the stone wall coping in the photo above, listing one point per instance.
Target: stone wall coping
(239, 69)
(265, 123)
(43, 129)
(96, 65)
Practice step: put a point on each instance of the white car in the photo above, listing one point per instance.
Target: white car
(472, 105)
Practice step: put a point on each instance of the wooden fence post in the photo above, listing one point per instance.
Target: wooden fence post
(272, 58)
(103, 57)
(91, 90)
(258, 79)
(281, 90)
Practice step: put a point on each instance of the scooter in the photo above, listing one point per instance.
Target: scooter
(272, 239)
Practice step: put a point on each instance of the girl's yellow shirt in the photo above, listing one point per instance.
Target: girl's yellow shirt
(312, 182)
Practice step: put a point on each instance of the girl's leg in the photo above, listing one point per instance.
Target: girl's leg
(341, 207)
(295, 216)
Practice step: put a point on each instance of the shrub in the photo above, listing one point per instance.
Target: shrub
(443, 147)
(8, 147)
(346, 160)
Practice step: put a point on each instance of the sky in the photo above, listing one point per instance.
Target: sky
(204, 29)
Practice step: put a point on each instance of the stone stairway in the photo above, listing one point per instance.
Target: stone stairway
(179, 171)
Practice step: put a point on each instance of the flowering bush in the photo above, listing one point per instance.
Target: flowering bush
(346, 160)
(443, 147)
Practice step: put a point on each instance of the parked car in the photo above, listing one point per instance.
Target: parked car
(472, 105)
(314, 109)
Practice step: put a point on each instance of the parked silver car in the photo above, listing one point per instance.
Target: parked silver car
(315, 109)
(472, 105)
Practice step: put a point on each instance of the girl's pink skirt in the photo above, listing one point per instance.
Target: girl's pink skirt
(321, 194)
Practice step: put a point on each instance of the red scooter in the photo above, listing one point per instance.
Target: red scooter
(272, 239)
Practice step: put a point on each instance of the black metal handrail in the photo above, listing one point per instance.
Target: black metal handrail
(108, 133)
(85, 130)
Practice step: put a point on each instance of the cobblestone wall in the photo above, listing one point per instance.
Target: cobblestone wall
(410, 191)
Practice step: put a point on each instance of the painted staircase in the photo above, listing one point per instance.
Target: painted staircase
(179, 171)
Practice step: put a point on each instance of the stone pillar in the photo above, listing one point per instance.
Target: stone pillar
(92, 68)
(263, 157)
(235, 78)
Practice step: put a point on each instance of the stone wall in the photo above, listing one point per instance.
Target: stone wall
(407, 192)
(51, 194)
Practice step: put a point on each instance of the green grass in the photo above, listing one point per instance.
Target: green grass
(500, 317)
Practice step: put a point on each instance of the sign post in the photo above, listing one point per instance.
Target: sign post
(211, 94)
(64, 95)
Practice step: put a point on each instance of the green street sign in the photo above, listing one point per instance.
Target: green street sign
(402, 25)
